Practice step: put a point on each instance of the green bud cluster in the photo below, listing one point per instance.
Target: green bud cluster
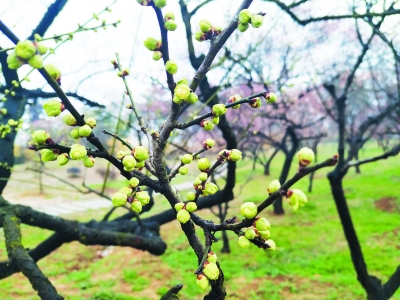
(133, 195)
(296, 198)
(207, 31)
(182, 92)
(260, 231)
(27, 52)
(247, 18)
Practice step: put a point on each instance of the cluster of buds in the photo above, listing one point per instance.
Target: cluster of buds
(246, 17)
(232, 155)
(260, 231)
(11, 125)
(182, 92)
(169, 21)
(27, 52)
(305, 156)
(134, 159)
(123, 73)
(133, 195)
(296, 198)
(207, 31)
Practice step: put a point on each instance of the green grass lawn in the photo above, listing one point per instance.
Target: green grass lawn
(312, 260)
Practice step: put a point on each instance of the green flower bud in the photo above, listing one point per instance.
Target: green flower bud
(176, 99)
(190, 196)
(3, 111)
(212, 257)
(169, 16)
(270, 97)
(25, 49)
(136, 206)
(88, 162)
(183, 170)
(143, 197)
(53, 71)
(36, 61)
(250, 233)
(235, 155)
(141, 153)
(40, 136)
(243, 242)
(233, 99)
(305, 156)
(171, 67)
(215, 120)
(274, 186)
(248, 210)
(125, 190)
(151, 44)
(160, 3)
(134, 182)
(203, 176)
(41, 48)
(119, 199)
(85, 131)
(69, 119)
(296, 198)
(121, 154)
(197, 182)
(243, 27)
(144, 2)
(265, 234)
(205, 26)
(262, 224)
(182, 91)
(13, 61)
(187, 159)
(170, 25)
(210, 189)
(208, 143)
(179, 206)
(200, 36)
(255, 103)
(211, 270)
(207, 125)
(182, 81)
(203, 164)
(245, 16)
(191, 207)
(219, 110)
(183, 216)
(202, 282)
(257, 21)
(129, 162)
(62, 159)
(48, 155)
(157, 55)
(192, 98)
(77, 152)
(53, 107)
(91, 122)
(140, 164)
(271, 246)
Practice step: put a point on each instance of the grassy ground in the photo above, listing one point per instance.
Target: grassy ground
(312, 260)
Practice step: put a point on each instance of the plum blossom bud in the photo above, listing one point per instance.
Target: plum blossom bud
(274, 186)
(192, 98)
(250, 233)
(53, 107)
(36, 61)
(235, 155)
(160, 3)
(136, 206)
(257, 21)
(190, 196)
(125, 190)
(203, 176)
(212, 257)
(157, 55)
(223, 154)
(88, 161)
(305, 156)
(245, 16)
(169, 16)
(187, 159)
(171, 67)
(25, 49)
(255, 103)
(218, 109)
(262, 224)
(215, 120)
(203, 164)
(243, 242)
(183, 170)
(119, 199)
(62, 159)
(208, 143)
(296, 198)
(53, 71)
(48, 155)
(41, 48)
(200, 36)
(151, 44)
(197, 182)
(191, 207)
(129, 162)
(205, 26)
(202, 281)
(182, 91)
(141, 153)
(211, 270)
(91, 122)
(243, 27)
(270, 97)
(183, 216)
(69, 119)
(179, 206)
(271, 246)
(248, 210)
(14, 62)
(210, 189)
(233, 99)
(144, 2)
(207, 125)
(134, 182)
(170, 25)
(40, 136)
(177, 100)
(121, 154)
(77, 152)
(85, 131)
(143, 197)
(265, 234)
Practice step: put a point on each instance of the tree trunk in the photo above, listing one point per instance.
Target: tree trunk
(268, 164)
(278, 207)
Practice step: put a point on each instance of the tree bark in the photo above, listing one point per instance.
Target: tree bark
(268, 163)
